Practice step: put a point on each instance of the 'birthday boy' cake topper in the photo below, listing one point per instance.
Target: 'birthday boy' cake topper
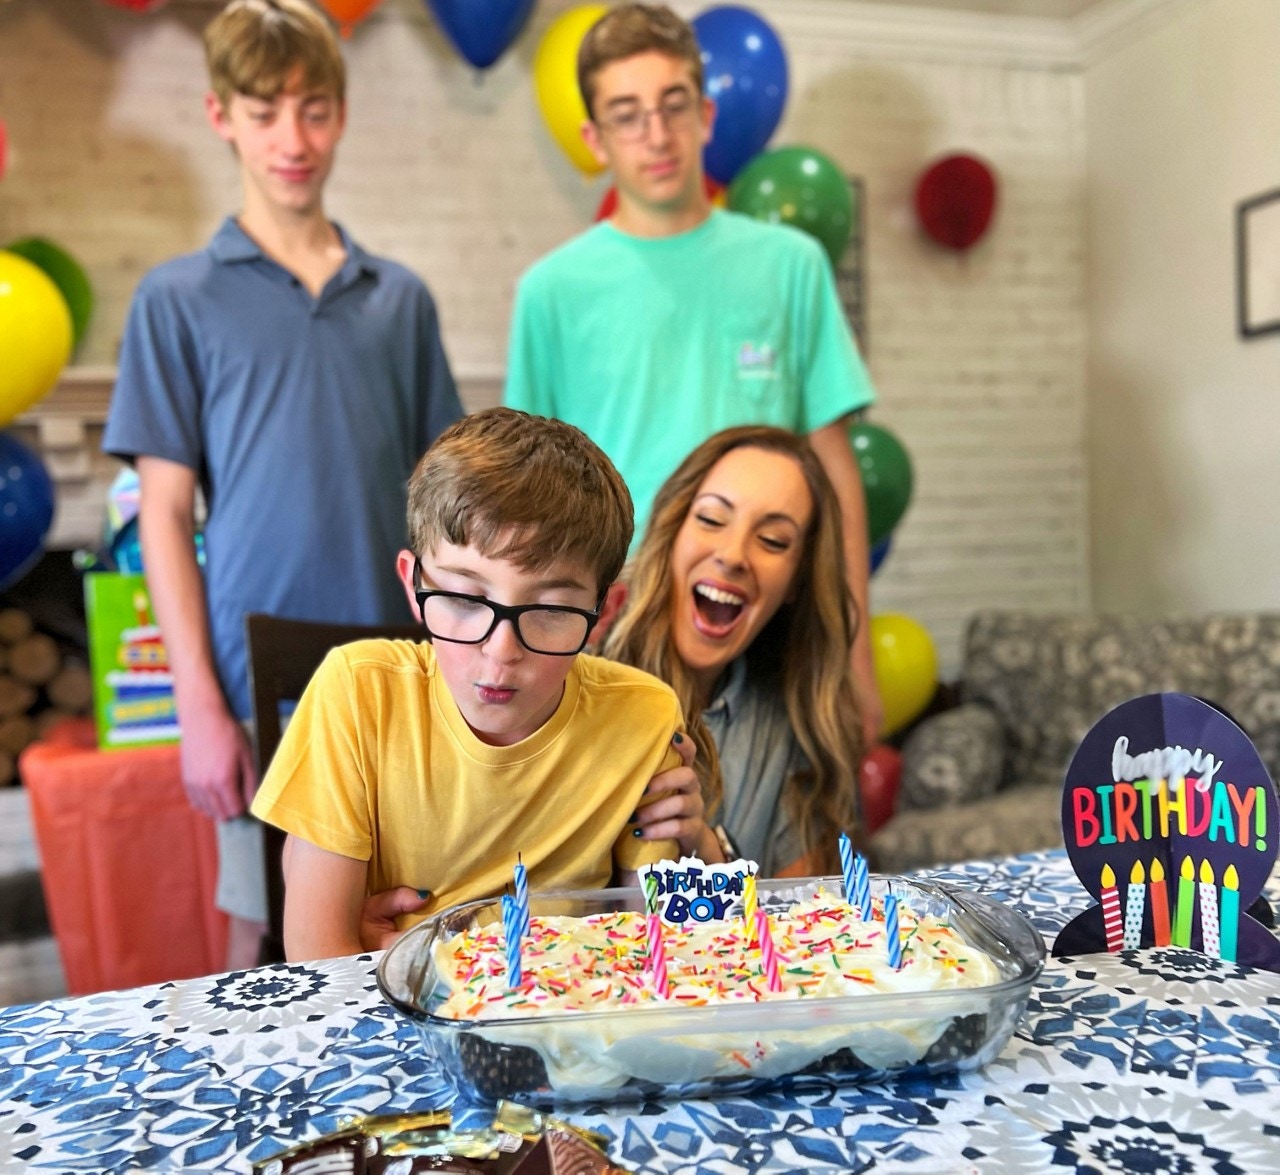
(689, 890)
(1169, 818)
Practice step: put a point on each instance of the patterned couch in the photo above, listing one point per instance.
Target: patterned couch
(985, 778)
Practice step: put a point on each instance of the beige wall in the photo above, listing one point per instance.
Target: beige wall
(979, 360)
(1183, 414)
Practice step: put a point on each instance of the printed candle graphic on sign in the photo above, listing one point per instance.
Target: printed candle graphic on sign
(1167, 801)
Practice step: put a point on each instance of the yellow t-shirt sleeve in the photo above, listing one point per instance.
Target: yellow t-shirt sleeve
(630, 852)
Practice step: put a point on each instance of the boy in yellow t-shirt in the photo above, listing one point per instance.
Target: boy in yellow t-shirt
(432, 765)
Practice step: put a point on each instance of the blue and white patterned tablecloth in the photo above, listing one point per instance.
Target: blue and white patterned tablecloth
(1154, 1061)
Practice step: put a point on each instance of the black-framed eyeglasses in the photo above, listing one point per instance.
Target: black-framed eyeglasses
(556, 630)
(632, 122)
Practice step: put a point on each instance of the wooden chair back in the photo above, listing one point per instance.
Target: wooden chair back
(282, 656)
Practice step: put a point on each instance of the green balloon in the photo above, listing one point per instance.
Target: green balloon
(800, 187)
(886, 476)
(64, 271)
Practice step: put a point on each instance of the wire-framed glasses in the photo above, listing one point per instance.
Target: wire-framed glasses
(632, 122)
(556, 630)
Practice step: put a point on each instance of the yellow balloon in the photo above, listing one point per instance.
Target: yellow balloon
(35, 335)
(906, 666)
(555, 81)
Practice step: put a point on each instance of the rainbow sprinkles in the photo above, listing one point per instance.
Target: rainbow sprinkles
(821, 947)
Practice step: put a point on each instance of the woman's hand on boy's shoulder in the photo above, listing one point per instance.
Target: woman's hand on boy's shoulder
(671, 807)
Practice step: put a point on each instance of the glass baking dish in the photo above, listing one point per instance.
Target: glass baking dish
(633, 1053)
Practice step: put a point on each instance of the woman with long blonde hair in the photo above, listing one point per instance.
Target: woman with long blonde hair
(737, 598)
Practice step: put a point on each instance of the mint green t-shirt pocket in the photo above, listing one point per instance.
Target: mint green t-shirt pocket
(758, 367)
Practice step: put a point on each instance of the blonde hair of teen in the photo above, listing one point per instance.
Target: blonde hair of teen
(628, 30)
(806, 644)
(252, 47)
(524, 488)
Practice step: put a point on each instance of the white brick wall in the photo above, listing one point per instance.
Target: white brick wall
(978, 359)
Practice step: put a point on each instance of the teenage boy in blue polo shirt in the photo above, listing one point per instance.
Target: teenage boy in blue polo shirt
(295, 380)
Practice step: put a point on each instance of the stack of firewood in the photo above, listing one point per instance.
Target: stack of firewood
(41, 683)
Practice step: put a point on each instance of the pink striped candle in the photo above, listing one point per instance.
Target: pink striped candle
(656, 953)
(657, 956)
(1112, 919)
(768, 952)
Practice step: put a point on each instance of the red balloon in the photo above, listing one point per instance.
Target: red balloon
(138, 5)
(878, 780)
(609, 205)
(346, 14)
(955, 200)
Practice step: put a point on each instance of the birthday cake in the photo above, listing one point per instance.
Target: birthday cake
(823, 948)
(590, 1017)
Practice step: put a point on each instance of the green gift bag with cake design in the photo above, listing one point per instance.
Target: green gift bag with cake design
(132, 686)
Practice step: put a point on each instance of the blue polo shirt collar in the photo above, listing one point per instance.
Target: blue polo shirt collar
(231, 244)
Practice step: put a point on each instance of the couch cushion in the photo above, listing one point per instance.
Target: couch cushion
(954, 757)
(1050, 677)
(1014, 821)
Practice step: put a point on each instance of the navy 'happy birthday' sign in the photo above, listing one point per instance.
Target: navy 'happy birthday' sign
(1170, 820)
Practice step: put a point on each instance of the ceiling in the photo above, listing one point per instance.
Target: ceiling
(1059, 9)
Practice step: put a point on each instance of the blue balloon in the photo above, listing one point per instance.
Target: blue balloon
(746, 73)
(26, 508)
(481, 30)
(880, 552)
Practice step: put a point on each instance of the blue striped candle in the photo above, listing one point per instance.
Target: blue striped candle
(522, 895)
(862, 887)
(846, 866)
(511, 929)
(892, 934)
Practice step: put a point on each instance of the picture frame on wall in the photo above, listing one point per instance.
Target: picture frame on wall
(1258, 264)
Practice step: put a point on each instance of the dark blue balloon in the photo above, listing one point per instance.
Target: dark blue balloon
(481, 30)
(746, 73)
(880, 552)
(26, 508)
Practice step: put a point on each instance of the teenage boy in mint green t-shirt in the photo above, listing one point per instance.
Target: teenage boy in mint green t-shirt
(673, 320)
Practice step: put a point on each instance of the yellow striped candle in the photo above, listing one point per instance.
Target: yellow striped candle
(749, 899)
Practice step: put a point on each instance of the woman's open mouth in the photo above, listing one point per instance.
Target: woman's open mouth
(716, 611)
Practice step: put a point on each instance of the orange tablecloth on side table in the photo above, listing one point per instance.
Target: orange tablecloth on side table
(129, 868)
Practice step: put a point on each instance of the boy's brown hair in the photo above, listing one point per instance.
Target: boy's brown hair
(631, 29)
(253, 46)
(524, 488)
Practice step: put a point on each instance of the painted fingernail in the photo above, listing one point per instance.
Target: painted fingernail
(637, 832)
(677, 738)
(634, 817)
(424, 894)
